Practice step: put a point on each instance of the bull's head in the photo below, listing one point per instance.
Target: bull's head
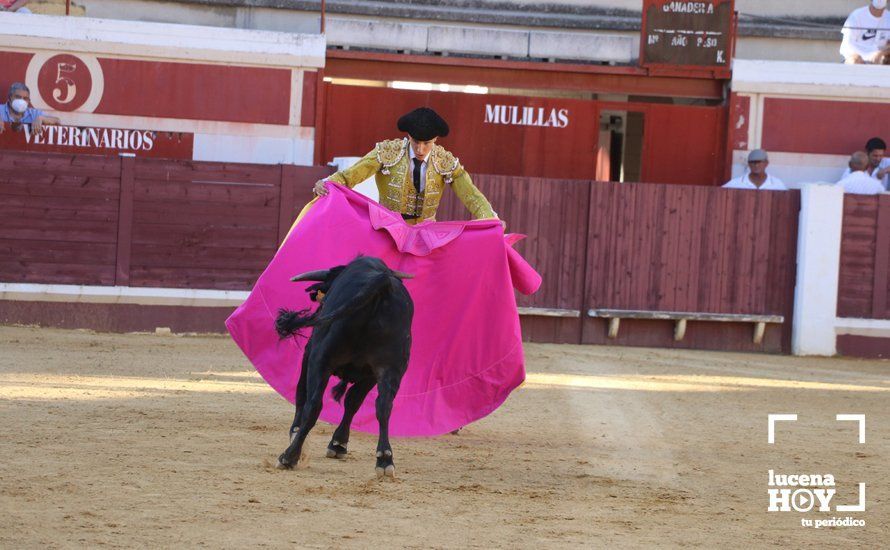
(323, 274)
(325, 278)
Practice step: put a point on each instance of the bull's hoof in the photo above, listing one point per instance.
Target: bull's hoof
(335, 450)
(389, 471)
(385, 465)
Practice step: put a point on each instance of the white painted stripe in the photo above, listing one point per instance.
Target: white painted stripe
(818, 264)
(32, 292)
(162, 40)
(253, 149)
(832, 81)
(879, 328)
(296, 97)
(184, 125)
(153, 296)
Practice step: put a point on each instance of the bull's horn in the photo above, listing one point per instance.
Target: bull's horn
(402, 274)
(319, 275)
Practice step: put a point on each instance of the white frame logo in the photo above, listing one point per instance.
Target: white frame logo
(801, 496)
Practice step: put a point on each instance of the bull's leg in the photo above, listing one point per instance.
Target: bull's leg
(387, 388)
(300, 398)
(353, 400)
(316, 384)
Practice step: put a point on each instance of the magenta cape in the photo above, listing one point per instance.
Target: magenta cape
(466, 353)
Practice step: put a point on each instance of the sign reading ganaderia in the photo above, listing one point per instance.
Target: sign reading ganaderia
(98, 141)
(691, 34)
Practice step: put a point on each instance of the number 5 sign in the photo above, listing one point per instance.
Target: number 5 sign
(65, 82)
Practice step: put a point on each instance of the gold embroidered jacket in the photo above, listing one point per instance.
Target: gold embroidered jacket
(389, 163)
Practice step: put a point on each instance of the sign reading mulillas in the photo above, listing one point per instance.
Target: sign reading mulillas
(689, 34)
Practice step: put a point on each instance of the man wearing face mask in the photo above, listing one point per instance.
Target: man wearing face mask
(18, 111)
(411, 173)
(867, 35)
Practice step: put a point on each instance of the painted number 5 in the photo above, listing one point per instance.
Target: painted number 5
(63, 80)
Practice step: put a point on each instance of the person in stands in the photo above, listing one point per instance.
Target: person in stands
(878, 162)
(756, 176)
(18, 111)
(17, 6)
(859, 182)
(867, 35)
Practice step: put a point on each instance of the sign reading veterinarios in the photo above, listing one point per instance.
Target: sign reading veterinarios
(98, 141)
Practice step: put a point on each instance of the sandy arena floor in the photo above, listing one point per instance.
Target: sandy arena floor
(160, 441)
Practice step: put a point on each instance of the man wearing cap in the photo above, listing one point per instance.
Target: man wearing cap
(411, 173)
(756, 176)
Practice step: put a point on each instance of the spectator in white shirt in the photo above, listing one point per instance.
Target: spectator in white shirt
(867, 35)
(859, 182)
(756, 176)
(878, 163)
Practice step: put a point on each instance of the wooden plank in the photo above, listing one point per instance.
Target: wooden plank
(185, 171)
(59, 215)
(858, 254)
(248, 195)
(13, 250)
(222, 279)
(689, 315)
(196, 214)
(882, 259)
(54, 203)
(125, 221)
(202, 256)
(56, 273)
(550, 312)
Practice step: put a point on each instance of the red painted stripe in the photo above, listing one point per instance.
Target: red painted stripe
(13, 66)
(196, 92)
(822, 127)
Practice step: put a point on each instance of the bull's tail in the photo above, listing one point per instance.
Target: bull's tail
(338, 391)
(290, 322)
(365, 293)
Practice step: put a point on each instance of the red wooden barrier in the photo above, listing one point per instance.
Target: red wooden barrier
(144, 222)
(691, 249)
(865, 258)
(58, 218)
(187, 224)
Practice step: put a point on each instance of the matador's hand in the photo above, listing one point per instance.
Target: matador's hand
(319, 188)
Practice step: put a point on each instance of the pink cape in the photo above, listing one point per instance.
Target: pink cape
(466, 353)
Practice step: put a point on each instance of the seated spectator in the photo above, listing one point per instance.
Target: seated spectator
(879, 165)
(18, 111)
(867, 35)
(14, 5)
(756, 176)
(859, 182)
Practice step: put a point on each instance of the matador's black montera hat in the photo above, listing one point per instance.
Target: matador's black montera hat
(423, 124)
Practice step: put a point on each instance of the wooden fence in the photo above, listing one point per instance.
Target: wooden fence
(125, 221)
(651, 247)
(161, 223)
(865, 258)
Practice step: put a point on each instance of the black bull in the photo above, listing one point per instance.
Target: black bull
(362, 335)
